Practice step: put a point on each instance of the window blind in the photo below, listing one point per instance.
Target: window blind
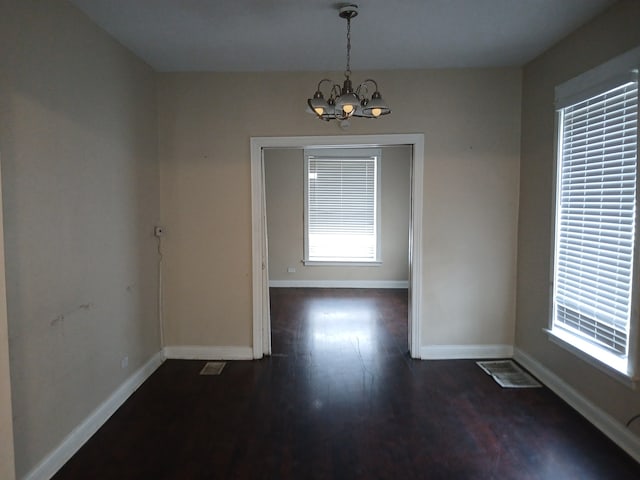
(341, 209)
(596, 217)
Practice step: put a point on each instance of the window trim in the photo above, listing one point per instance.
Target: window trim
(586, 85)
(343, 153)
(584, 350)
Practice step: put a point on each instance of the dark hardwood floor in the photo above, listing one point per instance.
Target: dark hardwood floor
(341, 399)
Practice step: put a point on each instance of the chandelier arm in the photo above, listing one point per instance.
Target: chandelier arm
(336, 90)
(372, 81)
(322, 81)
(364, 89)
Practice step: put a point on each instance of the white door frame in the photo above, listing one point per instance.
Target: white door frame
(261, 320)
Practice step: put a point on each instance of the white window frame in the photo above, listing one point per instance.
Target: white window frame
(591, 84)
(343, 154)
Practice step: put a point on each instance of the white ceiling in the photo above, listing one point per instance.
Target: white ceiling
(297, 35)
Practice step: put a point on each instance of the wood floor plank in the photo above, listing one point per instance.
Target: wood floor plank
(341, 399)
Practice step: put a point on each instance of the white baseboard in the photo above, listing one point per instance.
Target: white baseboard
(339, 283)
(608, 425)
(455, 352)
(198, 352)
(79, 435)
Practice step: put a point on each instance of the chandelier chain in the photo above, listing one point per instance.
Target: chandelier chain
(347, 72)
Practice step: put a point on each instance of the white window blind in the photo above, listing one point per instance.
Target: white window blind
(595, 219)
(342, 204)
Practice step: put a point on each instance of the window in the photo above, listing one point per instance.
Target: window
(341, 206)
(595, 246)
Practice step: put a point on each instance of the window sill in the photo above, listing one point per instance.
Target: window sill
(603, 361)
(331, 263)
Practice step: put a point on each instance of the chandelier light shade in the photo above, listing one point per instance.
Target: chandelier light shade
(343, 102)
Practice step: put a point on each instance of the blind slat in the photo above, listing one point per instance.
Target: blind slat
(341, 208)
(596, 214)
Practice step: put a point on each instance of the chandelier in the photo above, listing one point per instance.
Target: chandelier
(345, 102)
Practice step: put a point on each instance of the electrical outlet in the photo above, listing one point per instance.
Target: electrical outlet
(291, 270)
(158, 231)
(124, 363)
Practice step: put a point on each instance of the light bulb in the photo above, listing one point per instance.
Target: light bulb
(319, 110)
(348, 108)
(376, 112)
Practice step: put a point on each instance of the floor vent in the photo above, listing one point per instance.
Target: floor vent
(212, 368)
(508, 374)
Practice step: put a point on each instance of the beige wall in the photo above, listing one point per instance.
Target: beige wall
(80, 191)
(471, 122)
(284, 190)
(609, 35)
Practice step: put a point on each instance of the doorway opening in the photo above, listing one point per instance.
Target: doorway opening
(260, 275)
